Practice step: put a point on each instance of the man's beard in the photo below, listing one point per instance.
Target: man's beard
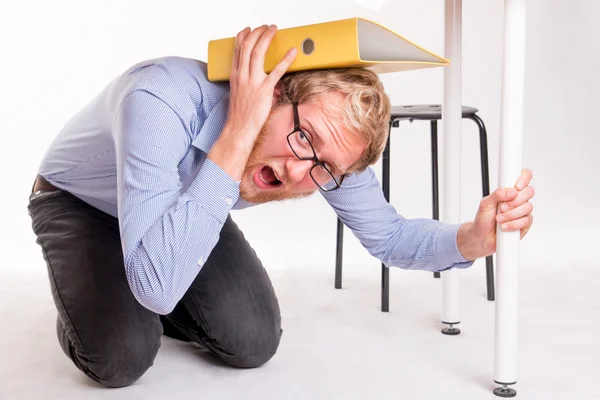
(255, 195)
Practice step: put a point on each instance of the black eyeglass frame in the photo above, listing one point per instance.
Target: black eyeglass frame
(338, 183)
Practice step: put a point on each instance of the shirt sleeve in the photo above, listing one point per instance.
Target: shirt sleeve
(167, 233)
(418, 244)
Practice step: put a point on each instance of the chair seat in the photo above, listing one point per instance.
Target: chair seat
(425, 112)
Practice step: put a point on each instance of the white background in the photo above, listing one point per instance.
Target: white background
(57, 55)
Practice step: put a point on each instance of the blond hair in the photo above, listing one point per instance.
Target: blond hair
(365, 110)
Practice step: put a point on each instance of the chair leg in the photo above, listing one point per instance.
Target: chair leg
(434, 176)
(485, 183)
(338, 254)
(385, 272)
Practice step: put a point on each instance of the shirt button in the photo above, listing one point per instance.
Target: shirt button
(228, 200)
(201, 261)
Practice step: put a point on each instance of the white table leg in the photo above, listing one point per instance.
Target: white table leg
(452, 120)
(507, 251)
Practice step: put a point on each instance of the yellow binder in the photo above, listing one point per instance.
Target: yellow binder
(353, 42)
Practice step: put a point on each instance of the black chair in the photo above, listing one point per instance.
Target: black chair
(432, 113)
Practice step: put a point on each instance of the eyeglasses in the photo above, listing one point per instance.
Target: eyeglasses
(304, 150)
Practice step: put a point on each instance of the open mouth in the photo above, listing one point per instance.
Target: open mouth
(265, 178)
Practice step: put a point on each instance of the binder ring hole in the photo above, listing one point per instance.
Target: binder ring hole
(308, 46)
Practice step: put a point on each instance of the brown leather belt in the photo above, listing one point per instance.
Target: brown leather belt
(43, 184)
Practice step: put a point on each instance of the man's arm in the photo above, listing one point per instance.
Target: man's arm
(420, 244)
(166, 234)
(428, 244)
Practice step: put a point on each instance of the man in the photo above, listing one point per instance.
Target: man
(131, 204)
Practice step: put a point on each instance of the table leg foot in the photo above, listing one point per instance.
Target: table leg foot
(505, 391)
(451, 330)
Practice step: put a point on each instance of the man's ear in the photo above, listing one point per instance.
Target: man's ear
(276, 93)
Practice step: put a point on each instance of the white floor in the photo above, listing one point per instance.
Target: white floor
(338, 345)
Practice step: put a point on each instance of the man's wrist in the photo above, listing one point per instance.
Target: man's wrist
(231, 153)
(468, 242)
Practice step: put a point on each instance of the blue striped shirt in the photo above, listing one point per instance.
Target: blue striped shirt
(138, 151)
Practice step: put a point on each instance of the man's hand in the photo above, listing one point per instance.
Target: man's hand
(510, 207)
(251, 98)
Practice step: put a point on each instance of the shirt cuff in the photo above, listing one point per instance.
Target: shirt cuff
(216, 191)
(446, 248)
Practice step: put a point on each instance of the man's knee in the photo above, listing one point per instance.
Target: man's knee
(253, 349)
(116, 361)
(124, 365)
(250, 337)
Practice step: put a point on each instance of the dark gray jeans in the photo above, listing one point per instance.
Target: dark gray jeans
(230, 309)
